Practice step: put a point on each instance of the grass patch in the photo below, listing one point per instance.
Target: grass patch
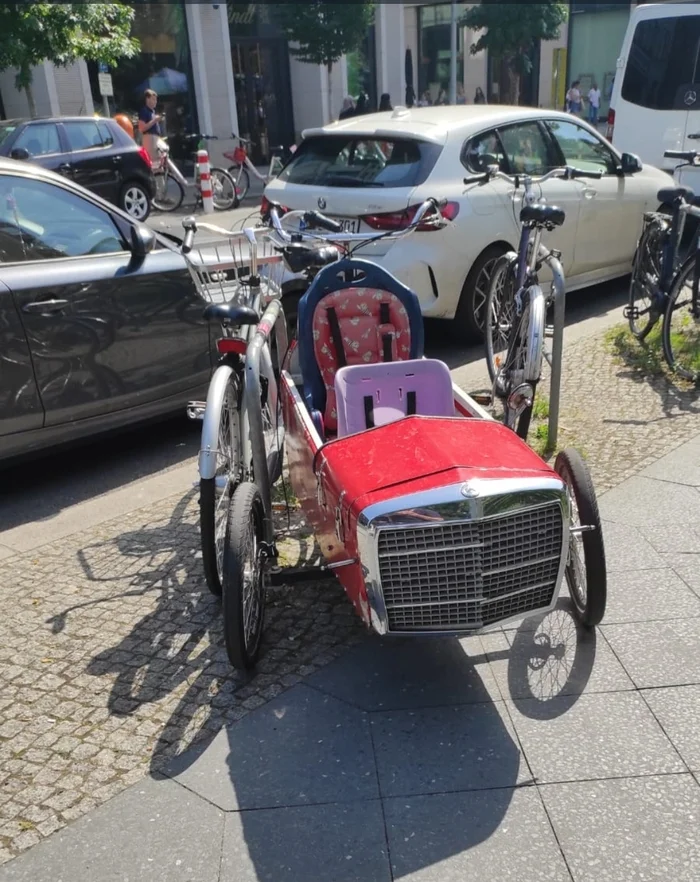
(646, 357)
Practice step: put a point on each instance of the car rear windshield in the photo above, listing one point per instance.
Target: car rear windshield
(354, 161)
(5, 132)
(662, 62)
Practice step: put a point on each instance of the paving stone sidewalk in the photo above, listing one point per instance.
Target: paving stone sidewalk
(111, 666)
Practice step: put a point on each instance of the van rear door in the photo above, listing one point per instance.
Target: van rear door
(658, 107)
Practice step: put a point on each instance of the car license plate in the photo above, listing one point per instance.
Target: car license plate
(350, 224)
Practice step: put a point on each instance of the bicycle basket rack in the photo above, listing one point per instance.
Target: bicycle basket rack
(222, 268)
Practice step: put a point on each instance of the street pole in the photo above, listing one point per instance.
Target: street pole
(453, 54)
(105, 105)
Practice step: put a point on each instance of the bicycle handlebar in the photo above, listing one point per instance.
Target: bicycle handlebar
(326, 222)
(190, 225)
(567, 172)
(316, 219)
(686, 155)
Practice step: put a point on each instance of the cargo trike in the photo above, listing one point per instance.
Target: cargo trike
(437, 519)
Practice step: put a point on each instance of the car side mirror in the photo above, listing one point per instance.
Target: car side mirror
(143, 240)
(20, 153)
(630, 164)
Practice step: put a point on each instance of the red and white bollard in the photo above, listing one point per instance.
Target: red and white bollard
(205, 181)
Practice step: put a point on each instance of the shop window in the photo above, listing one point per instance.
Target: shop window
(163, 65)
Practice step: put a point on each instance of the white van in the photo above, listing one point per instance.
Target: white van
(655, 103)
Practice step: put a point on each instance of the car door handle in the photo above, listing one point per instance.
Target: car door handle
(589, 192)
(45, 306)
(64, 168)
(695, 136)
(117, 160)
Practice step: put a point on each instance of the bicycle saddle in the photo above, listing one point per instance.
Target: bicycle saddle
(542, 215)
(300, 257)
(231, 314)
(670, 194)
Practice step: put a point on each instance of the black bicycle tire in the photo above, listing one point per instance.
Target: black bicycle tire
(177, 203)
(246, 510)
(207, 520)
(216, 170)
(504, 263)
(687, 269)
(571, 466)
(652, 229)
(242, 191)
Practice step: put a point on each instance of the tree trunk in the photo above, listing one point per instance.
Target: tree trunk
(30, 98)
(331, 115)
(510, 81)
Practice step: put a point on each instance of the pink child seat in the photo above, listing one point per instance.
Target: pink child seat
(375, 394)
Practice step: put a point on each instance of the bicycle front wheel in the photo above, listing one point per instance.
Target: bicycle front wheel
(223, 189)
(241, 179)
(499, 313)
(681, 328)
(646, 275)
(215, 493)
(169, 193)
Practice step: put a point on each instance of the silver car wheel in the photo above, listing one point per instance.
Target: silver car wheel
(136, 203)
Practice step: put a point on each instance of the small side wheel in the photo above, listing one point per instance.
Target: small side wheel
(586, 572)
(135, 200)
(241, 179)
(469, 318)
(244, 577)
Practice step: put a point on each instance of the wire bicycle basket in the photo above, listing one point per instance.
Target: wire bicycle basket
(228, 268)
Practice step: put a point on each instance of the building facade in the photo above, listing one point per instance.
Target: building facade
(224, 69)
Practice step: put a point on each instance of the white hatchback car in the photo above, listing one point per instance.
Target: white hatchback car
(371, 172)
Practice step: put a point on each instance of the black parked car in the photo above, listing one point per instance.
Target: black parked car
(100, 323)
(95, 153)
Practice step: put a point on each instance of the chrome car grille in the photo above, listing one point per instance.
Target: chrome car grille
(469, 574)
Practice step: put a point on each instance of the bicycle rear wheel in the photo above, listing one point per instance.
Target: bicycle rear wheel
(646, 275)
(169, 193)
(681, 328)
(499, 313)
(215, 493)
(241, 179)
(223, 190)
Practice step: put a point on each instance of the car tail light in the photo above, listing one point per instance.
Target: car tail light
(399, 220)
(145, 155)
(611, 124)
(265, 207)
(231, 344)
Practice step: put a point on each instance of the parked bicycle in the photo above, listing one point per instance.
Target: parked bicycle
(663, 285)
(238, 275)
(242, 166)
(171, 183)
(516, 306)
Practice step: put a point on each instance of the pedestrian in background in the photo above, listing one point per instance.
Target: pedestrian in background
(149, 124)
(385, 102)
(362, 105)
(593, 104)
(573, 99)
(479, 97)
(348, 108)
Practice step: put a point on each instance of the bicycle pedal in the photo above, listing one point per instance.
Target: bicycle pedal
(195, 410)
(483, 398)
(549, 331)
(630, 312)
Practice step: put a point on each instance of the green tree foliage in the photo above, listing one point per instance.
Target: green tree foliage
(324, 31)
(509, 32)
(31, 33)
